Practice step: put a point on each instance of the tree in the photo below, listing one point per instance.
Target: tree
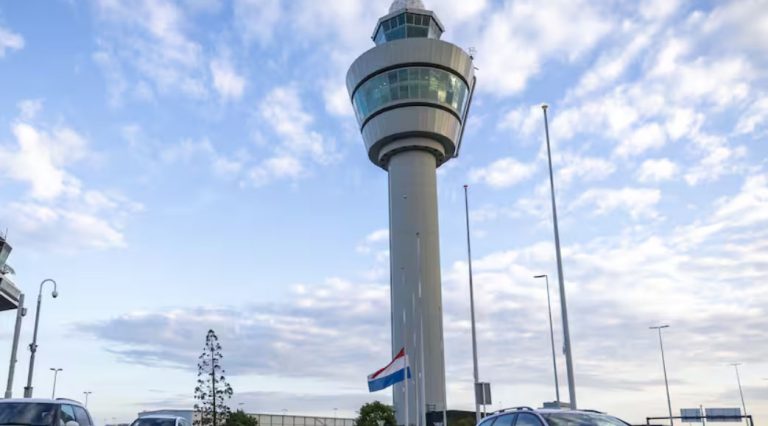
(212, 390)
(372, 412)
(239, 418)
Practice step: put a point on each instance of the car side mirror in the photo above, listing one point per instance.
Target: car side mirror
(71, 423)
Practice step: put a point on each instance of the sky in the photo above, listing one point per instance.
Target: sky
(183, 165)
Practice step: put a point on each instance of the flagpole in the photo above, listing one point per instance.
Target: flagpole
(421, 326)
(418, 369)
(407, 421)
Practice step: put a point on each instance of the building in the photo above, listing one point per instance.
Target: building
(411, 94)
(265, 419)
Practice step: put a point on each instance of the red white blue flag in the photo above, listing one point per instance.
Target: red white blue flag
(394, 372)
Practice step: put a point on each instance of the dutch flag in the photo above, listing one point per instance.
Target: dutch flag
(393, 373)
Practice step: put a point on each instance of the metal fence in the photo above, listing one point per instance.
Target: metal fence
(287, 420)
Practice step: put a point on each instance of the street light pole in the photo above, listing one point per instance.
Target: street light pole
(86, 393)
(55, 375)
(33, 345)
(563, 305)
(664, 366)
(552, 339)
(738, 380)
(472, 308)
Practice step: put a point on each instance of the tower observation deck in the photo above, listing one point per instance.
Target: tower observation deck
(411, 94)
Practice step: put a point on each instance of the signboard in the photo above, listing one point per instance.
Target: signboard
(725, 415)
(690, 415)
(483, 392)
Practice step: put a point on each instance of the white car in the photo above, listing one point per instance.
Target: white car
(161, 420)
(43, 412)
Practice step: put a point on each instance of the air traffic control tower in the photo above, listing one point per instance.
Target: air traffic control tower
(411, 94)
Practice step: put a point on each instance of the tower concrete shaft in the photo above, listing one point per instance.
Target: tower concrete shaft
(416, 296)
(411, 94)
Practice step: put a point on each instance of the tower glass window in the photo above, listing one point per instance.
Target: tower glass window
(407, 25)
(410, 84)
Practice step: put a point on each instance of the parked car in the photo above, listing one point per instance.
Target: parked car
(161, 420)
(526, 416)
(44, 412)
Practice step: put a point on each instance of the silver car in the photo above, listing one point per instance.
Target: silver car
(526, 416)
(43, 412)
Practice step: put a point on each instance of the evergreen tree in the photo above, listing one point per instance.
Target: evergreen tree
(212, 390)
(240, 418)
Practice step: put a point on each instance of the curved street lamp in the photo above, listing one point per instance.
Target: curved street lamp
(33, 345)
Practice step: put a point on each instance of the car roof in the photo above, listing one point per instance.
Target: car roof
(160, 416)
(543, 411)
(58, 401)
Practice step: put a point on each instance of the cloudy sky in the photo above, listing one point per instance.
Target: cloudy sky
(184, 165)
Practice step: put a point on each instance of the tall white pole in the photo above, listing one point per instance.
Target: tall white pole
(738, 380)
(472, 307)
(20, 312)
(664, 366)
(563, 305)
(552, 339)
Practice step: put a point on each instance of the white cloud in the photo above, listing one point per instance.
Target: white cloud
(587, 169)
(755, 116)
(638, 202)
(228, 83)
(149, 37)
(521, 37)
(650, 136)
(283, 112)
(58, 212)
(524, 120)
(10, 41)
(503, 173)
(40, 158)
(29, 108)
(657, 170)
(188, 150)
(372, 240)
(256, 19)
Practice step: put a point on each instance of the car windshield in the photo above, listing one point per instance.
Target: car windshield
(24, 413)
(581, 419)
(148, 421)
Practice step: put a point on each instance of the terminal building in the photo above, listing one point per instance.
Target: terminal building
(266, 419)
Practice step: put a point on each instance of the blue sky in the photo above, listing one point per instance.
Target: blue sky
(193, 164)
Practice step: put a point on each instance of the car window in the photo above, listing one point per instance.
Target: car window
(149, 421)
(81, 416)
(526, 419)
(67, 414)
(582, 419)
(487, 422)
(505, 420)
(34, 414)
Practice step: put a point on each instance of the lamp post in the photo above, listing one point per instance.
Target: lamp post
(563, 306)
(552, 338)
(33, 345)
(664, 366)
(472, 308)
(738, 380)
(55, 376)
(86, 393)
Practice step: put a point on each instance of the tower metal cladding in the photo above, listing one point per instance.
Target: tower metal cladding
(411, 94)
